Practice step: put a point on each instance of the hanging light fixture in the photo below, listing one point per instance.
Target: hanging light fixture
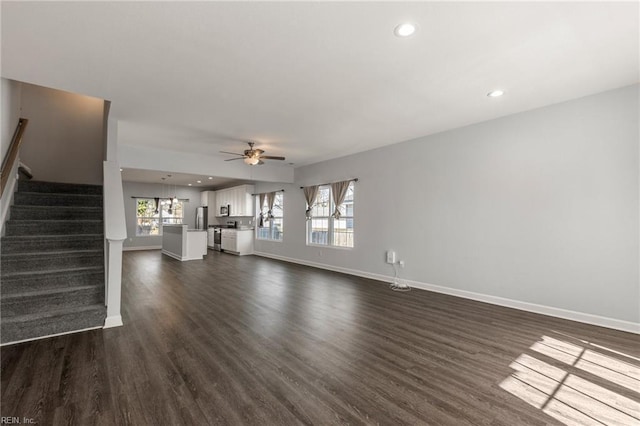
(162, 199)
(171, 199)
(175, 195)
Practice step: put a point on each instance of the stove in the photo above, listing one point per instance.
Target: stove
(217, 233)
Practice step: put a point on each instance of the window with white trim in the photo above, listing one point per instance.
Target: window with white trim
(150, 217)
(273, 227)
(325, 230)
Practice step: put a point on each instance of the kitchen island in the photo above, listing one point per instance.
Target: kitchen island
(182, 243)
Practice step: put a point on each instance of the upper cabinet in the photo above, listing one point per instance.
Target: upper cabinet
(208, 199)
(240, 199)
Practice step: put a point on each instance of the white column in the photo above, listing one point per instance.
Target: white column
(114, 283)
(115, 234)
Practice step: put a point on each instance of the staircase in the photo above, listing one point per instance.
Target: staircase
(52, 261)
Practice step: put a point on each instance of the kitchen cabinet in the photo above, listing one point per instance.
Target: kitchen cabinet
(210, 237)
(236, 241)
(240, 199)
(208, 199)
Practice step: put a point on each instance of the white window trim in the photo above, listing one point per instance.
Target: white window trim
(330, 226)
(257, 221)
(161, 227)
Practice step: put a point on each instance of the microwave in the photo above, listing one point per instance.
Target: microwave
(225, 210)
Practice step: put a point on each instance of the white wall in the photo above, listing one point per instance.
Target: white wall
(64, 141)
(152, 190)
(10, 112)
(540, 207)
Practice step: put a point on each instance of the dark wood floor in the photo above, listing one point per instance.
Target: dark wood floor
(247, 340)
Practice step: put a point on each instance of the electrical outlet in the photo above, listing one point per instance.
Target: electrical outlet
(391, 257)
(401, 263)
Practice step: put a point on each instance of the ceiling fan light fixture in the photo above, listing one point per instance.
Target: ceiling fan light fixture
(252, 161)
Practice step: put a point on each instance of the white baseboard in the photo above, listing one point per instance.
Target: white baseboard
(113, 321)
(141, 248)
(181, 258)
(613, 323)
(50, 335)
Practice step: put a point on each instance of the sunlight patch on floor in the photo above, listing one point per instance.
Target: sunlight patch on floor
(569, 398)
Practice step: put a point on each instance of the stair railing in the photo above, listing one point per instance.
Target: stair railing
(12, 154)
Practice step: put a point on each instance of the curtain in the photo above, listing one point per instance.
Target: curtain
(339, 191)
(271, 198)
(156, 201)
(310, 194)
(261, 198)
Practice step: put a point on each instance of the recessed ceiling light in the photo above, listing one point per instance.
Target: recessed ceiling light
(120, 169)
(405, 30)
(210, 178)
(495, 93)
(198, 181)
(189, 184)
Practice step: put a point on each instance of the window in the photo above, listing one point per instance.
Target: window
(323, 229)
(150, 220)
(273, 228)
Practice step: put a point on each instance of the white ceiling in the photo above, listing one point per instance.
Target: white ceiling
(316, 80)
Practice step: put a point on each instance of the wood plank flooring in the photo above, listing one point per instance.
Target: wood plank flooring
(246, 341)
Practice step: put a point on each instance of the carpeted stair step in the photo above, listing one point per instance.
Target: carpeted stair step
(53, 227)
(51, 300)
(55, 213)
(49, 261)
(48, 280)
(23, 327)
(52, 261)
(39, 243)
(58, 188)
(54, 199)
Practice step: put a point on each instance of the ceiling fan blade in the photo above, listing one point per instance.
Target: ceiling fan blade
(271, 157)
(231, 159)
(232, 153)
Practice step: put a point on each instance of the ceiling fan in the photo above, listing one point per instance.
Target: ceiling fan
(252, 156)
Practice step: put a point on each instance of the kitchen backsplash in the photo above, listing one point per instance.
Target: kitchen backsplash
(242, 220)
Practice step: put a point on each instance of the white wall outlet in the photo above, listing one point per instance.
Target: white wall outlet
(391, 256)
(401, 263)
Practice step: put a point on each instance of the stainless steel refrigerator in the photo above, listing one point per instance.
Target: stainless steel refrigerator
(201, 218)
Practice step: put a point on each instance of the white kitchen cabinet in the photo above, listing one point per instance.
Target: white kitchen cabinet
(221, 200)
(210, 237)
(211, 203)
(240, 199)
(208, 199)
(244, 197)
(236, 241)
